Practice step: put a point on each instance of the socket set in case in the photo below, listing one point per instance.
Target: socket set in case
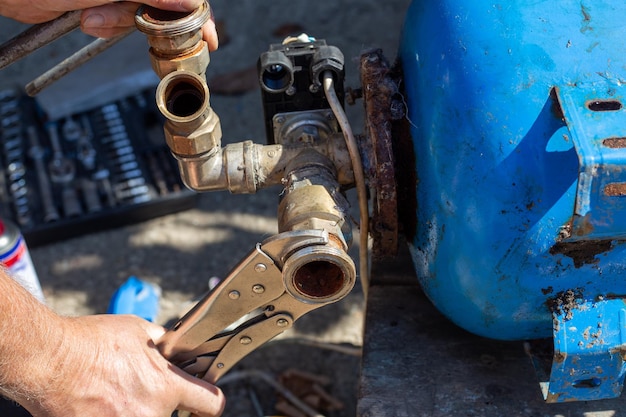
(91, 171)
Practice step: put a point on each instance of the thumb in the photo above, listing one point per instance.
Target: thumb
(154, 331)
(173, 5)
(197, 396)
(194, 395)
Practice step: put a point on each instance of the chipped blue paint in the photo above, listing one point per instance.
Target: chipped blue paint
(498, 172)
(518, 120)
(596, 122)
(588, 359)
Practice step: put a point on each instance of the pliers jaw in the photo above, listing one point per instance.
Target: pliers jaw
(283, 278)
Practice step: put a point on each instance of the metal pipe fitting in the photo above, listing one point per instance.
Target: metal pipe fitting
(192, 127)
(312, 198)
(72, 62)
(38, 36)
(246, 167)
(175, 38)
(319, 274)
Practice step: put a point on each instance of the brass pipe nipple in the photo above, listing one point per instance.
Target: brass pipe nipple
(175, 38)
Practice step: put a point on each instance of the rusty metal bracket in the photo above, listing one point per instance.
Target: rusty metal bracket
(588, 360)
(379, 89)
(596, 120)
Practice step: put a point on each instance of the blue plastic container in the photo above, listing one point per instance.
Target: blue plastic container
(137, 297)
(518, 124)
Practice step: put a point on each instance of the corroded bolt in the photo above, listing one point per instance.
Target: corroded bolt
(233, 295)
(258, 289)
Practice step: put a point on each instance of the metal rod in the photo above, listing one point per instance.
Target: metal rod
(72, 62)
(37, 36)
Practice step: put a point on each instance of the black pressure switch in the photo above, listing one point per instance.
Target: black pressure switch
(291, 76)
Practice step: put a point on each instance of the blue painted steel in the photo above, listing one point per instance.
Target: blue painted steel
(597, 127)
(588, 361)
(497, 168)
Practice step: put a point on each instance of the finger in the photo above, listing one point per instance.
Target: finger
(155, 332)
(209, 33)
(199, 397)
(173, 5)
(32, 15)
(108, 20)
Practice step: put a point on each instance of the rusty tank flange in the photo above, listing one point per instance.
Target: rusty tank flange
(380, 98)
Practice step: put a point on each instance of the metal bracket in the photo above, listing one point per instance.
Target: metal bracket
(381, 108)
(589, 347)
(311, 127)
(596, 119)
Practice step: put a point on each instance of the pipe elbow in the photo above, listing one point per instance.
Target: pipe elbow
(204, 172)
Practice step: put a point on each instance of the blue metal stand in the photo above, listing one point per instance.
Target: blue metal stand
(588, 363)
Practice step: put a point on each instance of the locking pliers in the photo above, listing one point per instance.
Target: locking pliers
(283, 278)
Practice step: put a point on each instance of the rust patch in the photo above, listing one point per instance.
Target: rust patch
(158, 16)
(582, 252)
(379, 91)
(615, 189)
(582, 226)
(615, 143)
(613, 296)
(565, 301)
(555, 108)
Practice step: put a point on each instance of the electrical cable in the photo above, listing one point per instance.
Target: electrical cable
(359, 176)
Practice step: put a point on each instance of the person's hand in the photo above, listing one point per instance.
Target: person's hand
(100, 18)
(109, 366)
(103, 365)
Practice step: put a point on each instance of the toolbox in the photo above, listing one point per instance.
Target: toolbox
(99, 169)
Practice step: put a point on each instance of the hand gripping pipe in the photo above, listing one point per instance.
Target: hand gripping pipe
(193, 132)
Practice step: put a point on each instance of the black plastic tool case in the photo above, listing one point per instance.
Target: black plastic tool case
(92, 171)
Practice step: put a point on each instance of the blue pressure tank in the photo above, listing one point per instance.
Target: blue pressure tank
(516, 112)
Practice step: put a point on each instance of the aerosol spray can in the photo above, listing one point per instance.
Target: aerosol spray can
(15, 257)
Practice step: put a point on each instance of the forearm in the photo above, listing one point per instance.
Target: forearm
(104, 365)
(100, 18)
(31, 337)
